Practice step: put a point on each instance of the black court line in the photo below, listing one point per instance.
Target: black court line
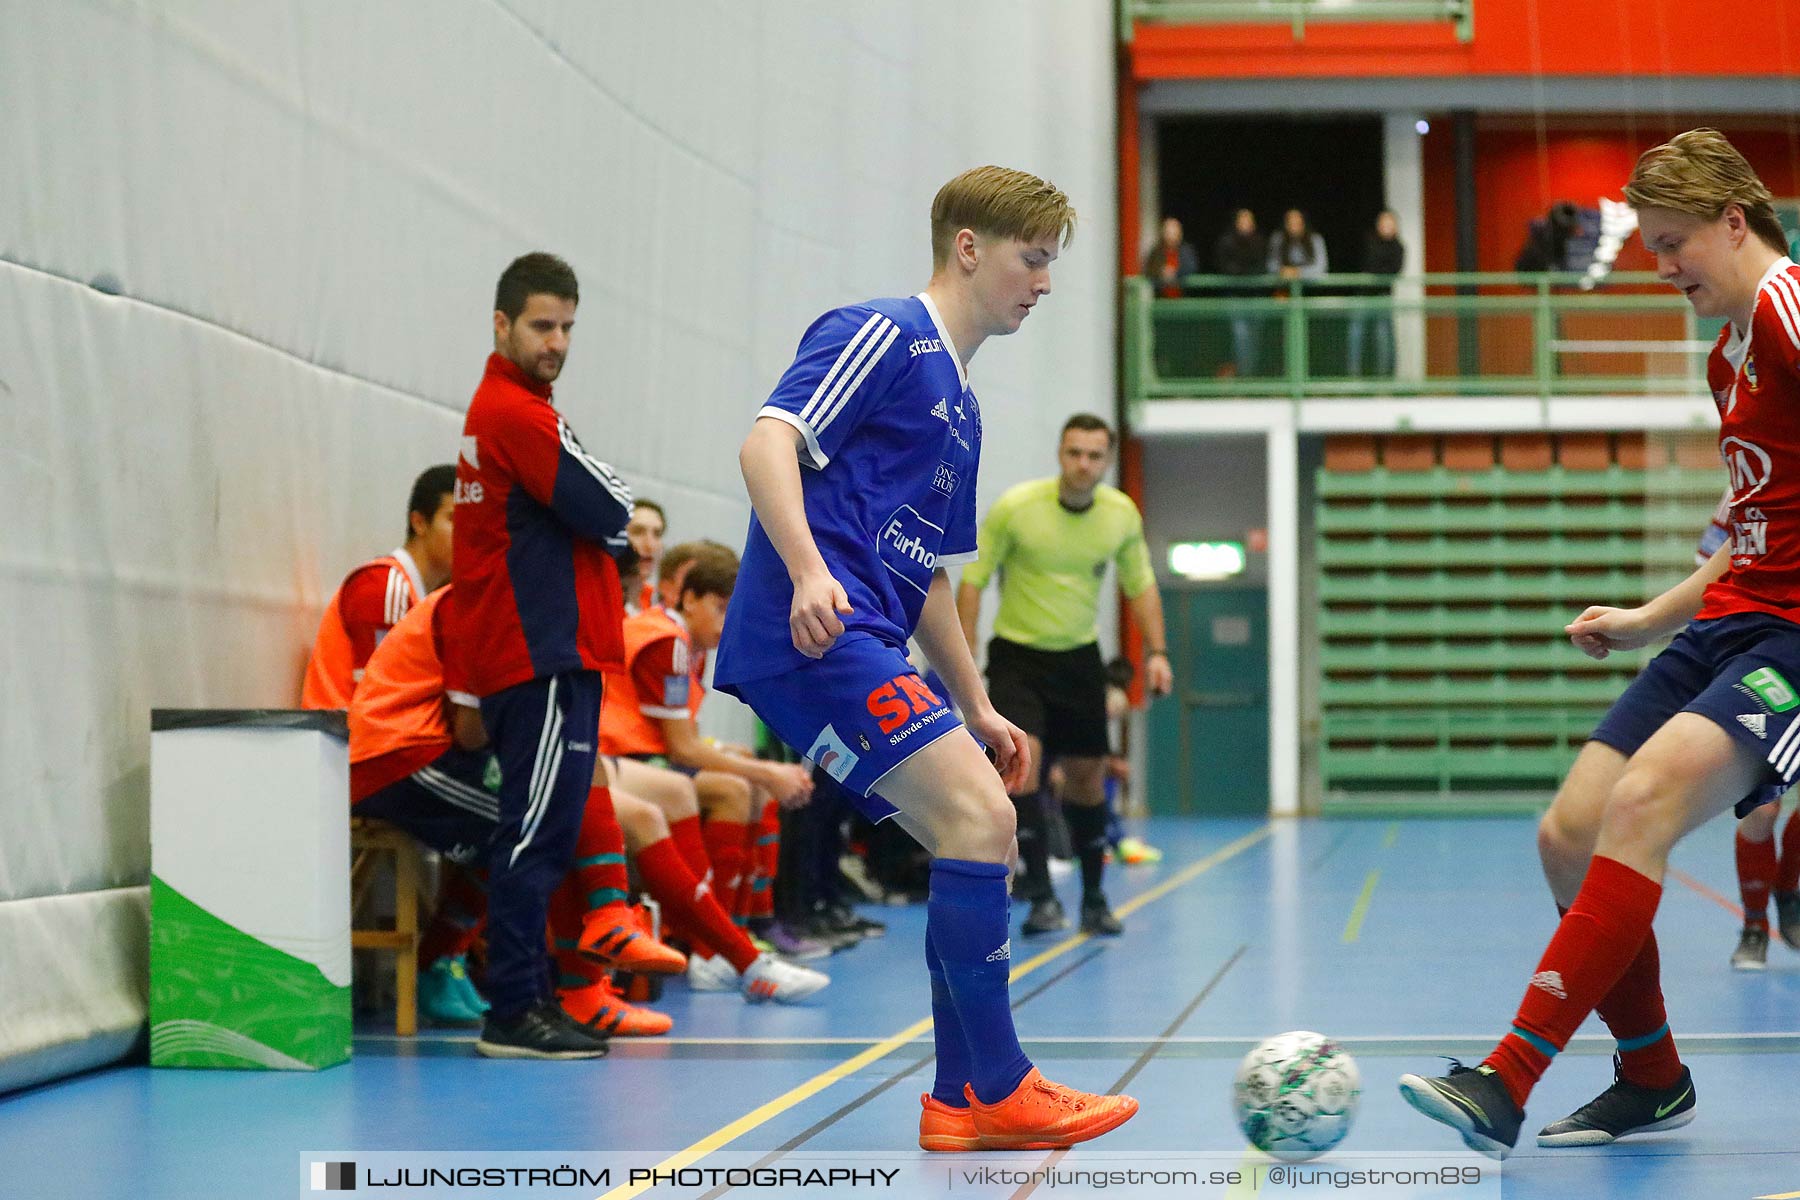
(850, 1106)
(1150, 1052)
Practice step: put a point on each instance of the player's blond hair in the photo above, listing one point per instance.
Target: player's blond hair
(1700, 173)
(998, 202)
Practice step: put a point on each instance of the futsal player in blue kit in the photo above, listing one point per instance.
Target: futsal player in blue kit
(861, 470)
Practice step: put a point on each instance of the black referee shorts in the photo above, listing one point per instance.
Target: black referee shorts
(1056, 696)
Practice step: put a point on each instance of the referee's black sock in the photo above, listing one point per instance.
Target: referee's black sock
(1034, 860)
(1087, 830)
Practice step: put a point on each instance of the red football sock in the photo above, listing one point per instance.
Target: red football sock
(725, 847)
(692, 843)
(1594, 943)
(1756, 871)
(1634, 1012)
(599, 866)
(1787, 875)
(461, 909)
(568, 905)
(683, 897)
(767, 836)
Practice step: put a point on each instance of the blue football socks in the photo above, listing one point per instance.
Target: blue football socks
(966, 925)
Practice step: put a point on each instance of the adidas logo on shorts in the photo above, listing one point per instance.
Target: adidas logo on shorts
(1756, 723)
(1003, 954)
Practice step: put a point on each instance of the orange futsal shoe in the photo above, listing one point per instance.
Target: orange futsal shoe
(612, 935)
(944, 1129)
(1041, 1115)
(600, 1008)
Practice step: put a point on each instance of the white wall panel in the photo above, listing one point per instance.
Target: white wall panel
(295, 214)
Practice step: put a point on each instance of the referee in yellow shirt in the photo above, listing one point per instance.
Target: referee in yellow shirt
(1051, 540)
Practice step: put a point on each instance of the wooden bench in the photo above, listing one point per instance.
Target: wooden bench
(369, 841)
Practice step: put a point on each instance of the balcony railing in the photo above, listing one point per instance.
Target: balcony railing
(1481, 334)
(1297, 14)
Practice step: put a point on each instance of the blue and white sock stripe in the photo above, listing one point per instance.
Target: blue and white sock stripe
(857, 359)
(543, 771)
(451, 790)
(1785, 757)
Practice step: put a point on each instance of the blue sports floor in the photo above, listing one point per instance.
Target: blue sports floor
(1403, 939)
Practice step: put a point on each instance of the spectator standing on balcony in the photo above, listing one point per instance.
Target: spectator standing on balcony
(1242, 250)
(1170, 260)
(1383, 254)
(1296, 252)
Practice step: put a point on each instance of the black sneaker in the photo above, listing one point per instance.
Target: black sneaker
(1097, 919)
(842, 917)
(1471, 1101)
(542, 1031)
(1622, 1109)
(1752, 953)
(1046, 916)
(1787, 917)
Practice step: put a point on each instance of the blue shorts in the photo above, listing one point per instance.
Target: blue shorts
(1739, 672)
(857, 713)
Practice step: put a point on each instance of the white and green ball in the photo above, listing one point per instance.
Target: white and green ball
(1295, 1095)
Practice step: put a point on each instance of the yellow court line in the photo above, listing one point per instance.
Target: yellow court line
(1781, 1196)
(1353, 927)
(1393, 835)
(818, 1083)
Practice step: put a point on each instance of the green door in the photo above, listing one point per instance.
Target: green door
(1209, 741)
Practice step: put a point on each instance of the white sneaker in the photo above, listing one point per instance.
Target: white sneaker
(715, 974)
(1061, 868)
(769, 978)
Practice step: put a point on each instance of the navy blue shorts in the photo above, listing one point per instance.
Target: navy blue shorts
(856, 714)
(450, 805)
(1735, 671)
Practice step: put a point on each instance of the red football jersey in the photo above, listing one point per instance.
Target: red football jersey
(366, 605)
(537, 521)
(1755, 380)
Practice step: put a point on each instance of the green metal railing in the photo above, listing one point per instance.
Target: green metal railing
(1297, 14)
(1485, 334)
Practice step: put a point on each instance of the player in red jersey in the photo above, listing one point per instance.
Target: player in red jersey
(1713, 722)
(1763, 868)
(378, 593)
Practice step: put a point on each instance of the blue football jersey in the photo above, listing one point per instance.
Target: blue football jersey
(892, 438)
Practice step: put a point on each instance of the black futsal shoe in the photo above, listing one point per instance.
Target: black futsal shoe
(1752, 953)
(1624, 1109)
(1787, 917)
(1046, 916)
(1097, 919)
(1474, 1102)
(541, 1031)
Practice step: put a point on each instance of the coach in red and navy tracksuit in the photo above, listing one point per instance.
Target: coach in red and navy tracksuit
(539, 615)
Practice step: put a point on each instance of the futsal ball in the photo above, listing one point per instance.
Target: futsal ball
(1295, 1095)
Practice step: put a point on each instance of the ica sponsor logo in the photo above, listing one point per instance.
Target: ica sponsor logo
(1749, 466)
